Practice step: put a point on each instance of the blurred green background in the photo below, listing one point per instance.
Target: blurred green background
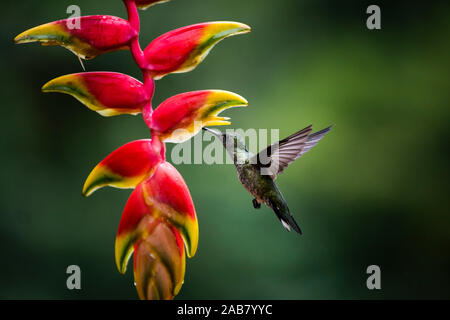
(374, 191)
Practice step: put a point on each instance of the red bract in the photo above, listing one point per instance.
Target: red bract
(96, 35)
(126, 166)
(108, 93)
(159, 220)
(181, 50)
(182, 116)
(164, 195)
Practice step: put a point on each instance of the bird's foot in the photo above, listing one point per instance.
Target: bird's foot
(256, 204)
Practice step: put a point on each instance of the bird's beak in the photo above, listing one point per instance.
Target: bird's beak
(213, 132)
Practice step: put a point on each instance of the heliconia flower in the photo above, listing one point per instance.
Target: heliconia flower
(159, 222)
(144, 4)
(164, 195)
(126, 166)
(96, 35)
(108, 93)
(159, 261)
(181, 50)
(182, 116)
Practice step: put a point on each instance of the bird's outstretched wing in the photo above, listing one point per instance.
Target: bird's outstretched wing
(276, 157)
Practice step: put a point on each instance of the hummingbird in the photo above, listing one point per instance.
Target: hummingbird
(257, 173)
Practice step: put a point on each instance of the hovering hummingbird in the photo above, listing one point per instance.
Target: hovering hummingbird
(257, 173)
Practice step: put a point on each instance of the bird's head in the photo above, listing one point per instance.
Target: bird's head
(231, 141)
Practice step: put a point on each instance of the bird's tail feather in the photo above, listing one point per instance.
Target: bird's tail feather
(287, 220)
(291, 222)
